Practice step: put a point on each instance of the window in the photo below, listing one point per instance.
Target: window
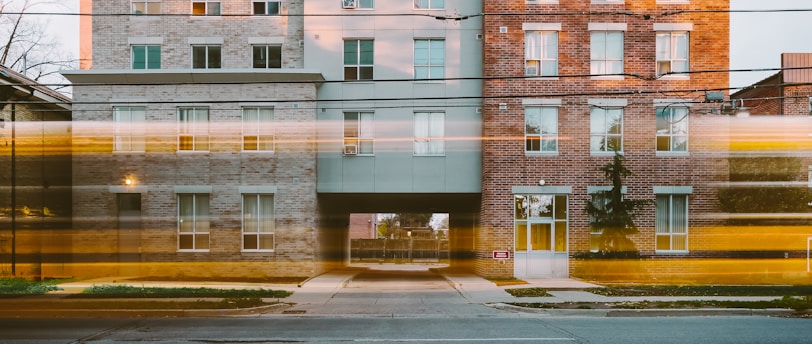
(266, 56)
(606, 129)
(429, 132)
(257, 129)
(606, 52)
(672, 52)
(206, 56)
(429, 59)
(358, 133)
(358, 59)
(541, 129)
(146, 7)
(258, 222)
(368, 4)
(129, 122)
(540, 222)
(206, 8)
(599, 200)
(672, 129)
(193, 129)
(146, 56)
(269, 8)
(193, 222)
(671, 222)
(541, 53)
(429, 4)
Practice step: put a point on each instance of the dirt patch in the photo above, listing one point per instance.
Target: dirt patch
(269, 280)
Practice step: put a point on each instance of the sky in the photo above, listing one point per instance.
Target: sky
(756, 40)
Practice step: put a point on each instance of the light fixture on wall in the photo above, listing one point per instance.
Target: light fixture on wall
(542, 182)
(128, 181)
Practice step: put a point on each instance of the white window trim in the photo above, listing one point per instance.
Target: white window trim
(129, 135)
(671, 225)
(195, 233)
(606, 134)
(428, 139)
(206, 15)
(687, 118)
(361, 135)
(266, 14)
(146, 7)
(428, 8)
(430, 79)
(622, 55)
(541, 136)
(194, 134)
(257, 129)
(242, 223)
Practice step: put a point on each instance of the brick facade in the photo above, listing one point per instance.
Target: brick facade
(505, 163)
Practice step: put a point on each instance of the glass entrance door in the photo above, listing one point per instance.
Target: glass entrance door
(540, 236)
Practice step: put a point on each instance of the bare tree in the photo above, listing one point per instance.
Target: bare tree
(28, 48)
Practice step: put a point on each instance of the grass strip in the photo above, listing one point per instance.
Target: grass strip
(21, 286)
(528, 292)
(786, 302)
(703, 290)
(125, 291)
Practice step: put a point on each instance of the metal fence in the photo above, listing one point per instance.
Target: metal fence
(430, 250)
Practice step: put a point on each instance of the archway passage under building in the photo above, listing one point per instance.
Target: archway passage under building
(336, 208)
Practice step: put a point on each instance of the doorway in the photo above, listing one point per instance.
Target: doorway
(540, 236)
(129, 233)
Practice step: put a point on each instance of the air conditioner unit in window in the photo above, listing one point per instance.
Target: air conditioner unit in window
(531, 71)
(348, 3)
(350, 149)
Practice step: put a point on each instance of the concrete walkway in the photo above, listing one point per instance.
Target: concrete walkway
(410, 290)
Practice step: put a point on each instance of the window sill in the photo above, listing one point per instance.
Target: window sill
(123, 152)
(357, 155)
(257, 251)
(680, 253)
(604, 153)
(670, 154)
(193, 251)
(674, 77)
(429, 155)
(534, 77)
(608, 77)
(270, 152)
(193, 152)
(540, 154)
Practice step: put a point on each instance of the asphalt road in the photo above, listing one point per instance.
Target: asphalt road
(477, 329)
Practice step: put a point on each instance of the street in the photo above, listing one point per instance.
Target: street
(510, 328)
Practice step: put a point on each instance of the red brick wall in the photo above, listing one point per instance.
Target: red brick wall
(504, 161)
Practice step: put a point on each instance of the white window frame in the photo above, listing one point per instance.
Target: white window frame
(662, 56)
(810, 108)
(209, 9)
(542, 135)
(605, 133)
(129, 131)
(146, 55)
(537, 56)
(201, 223)
(266, 50)
(358, 4)
(259, 130)
(431, 61)
(262, 221)
(675, 114)
(363, 143)
(208, 54)
(429, 4)
(196, 129)
(429, 134)
(266, 8)
(146, 7)
(666, 228)
(358, 65)
(603, 61)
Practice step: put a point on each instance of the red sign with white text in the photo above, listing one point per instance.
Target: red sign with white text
(501, 254)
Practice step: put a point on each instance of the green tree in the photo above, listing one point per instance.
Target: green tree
(612, 214)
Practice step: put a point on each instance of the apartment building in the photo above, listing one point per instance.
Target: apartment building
(195, 141)
(399, 111)
(569, 83)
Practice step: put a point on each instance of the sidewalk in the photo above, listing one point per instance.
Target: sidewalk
(381, 290)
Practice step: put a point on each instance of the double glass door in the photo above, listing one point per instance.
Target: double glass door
(540, 236)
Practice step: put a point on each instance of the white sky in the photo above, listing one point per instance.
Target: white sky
(756, 40)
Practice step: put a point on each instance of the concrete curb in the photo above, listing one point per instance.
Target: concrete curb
(138, 313)
(660, 312)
